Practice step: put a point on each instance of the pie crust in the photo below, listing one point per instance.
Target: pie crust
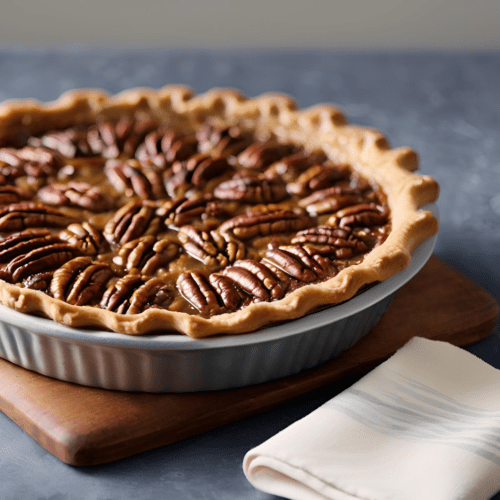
(320, 128)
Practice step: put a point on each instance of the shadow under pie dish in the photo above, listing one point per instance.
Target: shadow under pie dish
(160, 211)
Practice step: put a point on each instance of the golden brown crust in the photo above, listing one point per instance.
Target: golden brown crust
(322, 126)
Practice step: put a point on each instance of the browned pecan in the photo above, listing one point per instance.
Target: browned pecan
(290, 167)
(41, 259)
(134, 294)
(146, 255)
(9, 194)
(226, 290)
(40, 281)
(298, 262)
(259, 223)
(80, 281)
(136, 218)
(165, 147)
(212, 248)
(182, 211)
(196, 171)
(18, 216)
(84, 237)
(252, 189)
(256, 279)
(363, 214)
(196, 289)
(23, 242)
(110, 139)
(30, 161)
(260, 155)
(331, 200)
(133, 178)
(224, 141)
(71, 142)
(329, 240)
(317, 177)
(77, 194)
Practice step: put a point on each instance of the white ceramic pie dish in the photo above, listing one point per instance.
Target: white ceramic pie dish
(177, 363)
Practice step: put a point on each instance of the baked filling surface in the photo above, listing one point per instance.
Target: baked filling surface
(163, 211)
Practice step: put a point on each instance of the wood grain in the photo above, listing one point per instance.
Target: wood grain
(87, 426)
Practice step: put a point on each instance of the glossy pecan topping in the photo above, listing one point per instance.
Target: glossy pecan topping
(256, 279)
(77, 194)
(9, 194)
(44, 258)
(80, 281)
(259, 155)
(299, 263)
(147, 254)
(224, 141)
(252, 189)
(182, 211)
(331, 200)
(196, 289)
(227, 291)
(18, 216)
(84, 237)
(40, 281)
(30, 161)
(259, 223)
(328, 240)
(290, 167)
(136, 218)
(23, 242)
(133, 178)
(196, 171)
(110, 139)
(134, 294)
(212, 248)
(71, 143)
(317, 177)
(363, 214)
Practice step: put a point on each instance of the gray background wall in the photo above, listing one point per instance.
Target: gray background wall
(348, 24)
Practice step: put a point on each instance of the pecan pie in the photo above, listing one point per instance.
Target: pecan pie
(162, 211)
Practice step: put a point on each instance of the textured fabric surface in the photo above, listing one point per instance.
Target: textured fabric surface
(424, 424)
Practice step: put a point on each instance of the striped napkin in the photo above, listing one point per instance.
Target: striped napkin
(424, 425)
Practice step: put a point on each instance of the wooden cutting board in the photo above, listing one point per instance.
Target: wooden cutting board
(87, 426)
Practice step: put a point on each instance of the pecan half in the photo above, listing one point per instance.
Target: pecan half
(80, 281)
(252, 189)
(110, 139)
(290, 167)
(259, 223)
(18, 216)
(212, 248)
(9, 194)
(256, 279)
(260, 155)
(136, 218)
(40, 281)
(196, 289)
(331, 200)
(182, 211)
(317, 177)
(23, 242)
(44, 258)
(328, 240)
(71, 142)
(84, 237)
(133, 178)
(298, 262)
(77, 194)
(134, 294)
(224, 141)
(226, 290)
(146, 255)
(363, 214)
(30, 161)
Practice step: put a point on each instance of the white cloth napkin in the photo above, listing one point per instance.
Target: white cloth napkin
(424, 425)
